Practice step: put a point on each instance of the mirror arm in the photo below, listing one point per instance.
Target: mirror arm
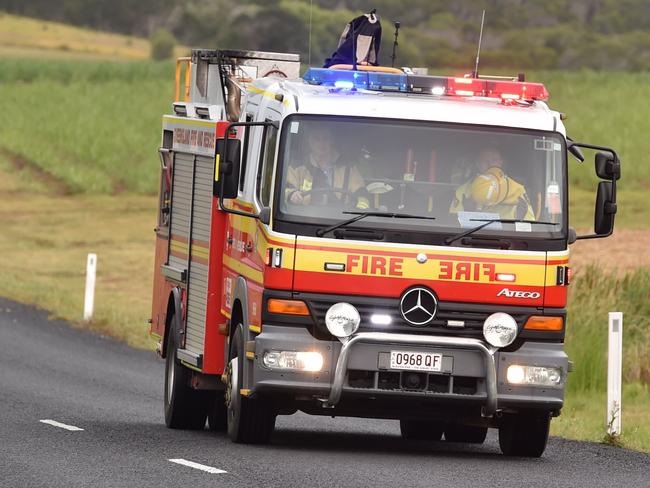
(594, 236)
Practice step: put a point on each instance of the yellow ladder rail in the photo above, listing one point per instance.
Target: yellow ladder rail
(188, 72)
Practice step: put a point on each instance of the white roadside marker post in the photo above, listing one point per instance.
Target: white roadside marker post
(89, 301)
(614, 373)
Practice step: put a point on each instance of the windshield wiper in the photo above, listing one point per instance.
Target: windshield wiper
(487, 222)
(363, 215)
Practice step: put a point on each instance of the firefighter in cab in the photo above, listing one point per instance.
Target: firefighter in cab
(491, 190)
(324, 178)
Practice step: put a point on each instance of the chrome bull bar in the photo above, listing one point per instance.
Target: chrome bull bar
(490, 407)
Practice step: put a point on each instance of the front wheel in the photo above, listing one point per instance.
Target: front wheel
(524, 435)
(185, 408)
(250, 421)
(465, 433)
(423, 430)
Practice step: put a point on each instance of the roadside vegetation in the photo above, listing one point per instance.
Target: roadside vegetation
(27, 37)
(79, 173)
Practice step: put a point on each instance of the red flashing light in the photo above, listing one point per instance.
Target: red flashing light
(516, 90)
(505, 90)
(466, 87)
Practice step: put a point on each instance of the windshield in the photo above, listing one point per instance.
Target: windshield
(456, 175)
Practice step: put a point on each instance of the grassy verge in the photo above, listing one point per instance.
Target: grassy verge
(584, 416)
(43, 247)
(592, 295)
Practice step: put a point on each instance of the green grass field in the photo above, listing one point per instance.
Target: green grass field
(109, 113)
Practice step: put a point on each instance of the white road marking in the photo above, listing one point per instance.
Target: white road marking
(202, 467)
(59, 424)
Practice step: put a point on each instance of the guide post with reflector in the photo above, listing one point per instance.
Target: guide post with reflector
(89, 299)
(614, 373)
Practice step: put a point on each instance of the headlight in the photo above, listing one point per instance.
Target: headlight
(342, 319)
(534, 375)
(293, 360)
(500, 329)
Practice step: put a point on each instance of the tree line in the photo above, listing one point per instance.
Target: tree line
(549, 34)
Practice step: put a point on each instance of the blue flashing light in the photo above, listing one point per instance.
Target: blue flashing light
(387, 82)
(337, 78)
(344, 84)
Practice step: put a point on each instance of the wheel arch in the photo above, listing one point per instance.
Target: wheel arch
(174, 303)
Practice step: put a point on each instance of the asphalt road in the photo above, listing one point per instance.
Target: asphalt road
(50, 371)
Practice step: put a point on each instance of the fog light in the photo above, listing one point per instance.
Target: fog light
(380, 319)
(293, 360)
(516, 374)
(342, 319)
(534, 375)
(500, 329)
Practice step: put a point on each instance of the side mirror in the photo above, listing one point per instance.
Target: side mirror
(608, 167)
(605, 209)
(226, 184)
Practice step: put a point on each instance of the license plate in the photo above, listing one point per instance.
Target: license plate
(415, 361)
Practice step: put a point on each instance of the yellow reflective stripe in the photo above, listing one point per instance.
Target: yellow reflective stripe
(185, 121)
(216, 167)
(243, 269)
(250, 355)
(244, 392)
(191, 366)
(266, 93)
(255, 328)
(182, 247)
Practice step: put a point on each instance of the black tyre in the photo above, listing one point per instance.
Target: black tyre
(524, 435)
(217, 413)
(424, 430)
(250, 421)
(465, 433)
(185, 408)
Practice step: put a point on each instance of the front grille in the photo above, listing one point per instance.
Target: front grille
(472, 315)
(412, 381)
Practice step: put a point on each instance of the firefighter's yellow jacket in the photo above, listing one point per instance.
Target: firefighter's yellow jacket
(516, 204)
(308, 177)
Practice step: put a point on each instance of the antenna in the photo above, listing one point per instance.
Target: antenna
(311, 8)
(392, 62)
(478, 53)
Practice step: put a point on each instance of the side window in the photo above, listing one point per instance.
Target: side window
(265, 171)
(242, 169)
(164, 204)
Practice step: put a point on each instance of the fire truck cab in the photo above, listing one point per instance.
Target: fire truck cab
(365, 243)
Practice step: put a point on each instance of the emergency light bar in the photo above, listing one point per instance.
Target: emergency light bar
(434, 85)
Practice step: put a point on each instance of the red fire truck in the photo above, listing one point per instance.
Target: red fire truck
(365, 242)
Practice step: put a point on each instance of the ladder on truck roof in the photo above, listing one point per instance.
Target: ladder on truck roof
(216, 77)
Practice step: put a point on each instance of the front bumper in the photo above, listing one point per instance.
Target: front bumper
(469, 358)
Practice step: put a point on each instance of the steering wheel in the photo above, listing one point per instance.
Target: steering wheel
(345, 200)
(379, 188)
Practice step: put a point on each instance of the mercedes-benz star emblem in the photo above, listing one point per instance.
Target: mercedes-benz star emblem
(418, 306)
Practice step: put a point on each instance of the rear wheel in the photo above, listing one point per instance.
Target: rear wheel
(185, 408)
(426, 430)
(465, 433)
(250, 421)
(217, 412)
(524, 435)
